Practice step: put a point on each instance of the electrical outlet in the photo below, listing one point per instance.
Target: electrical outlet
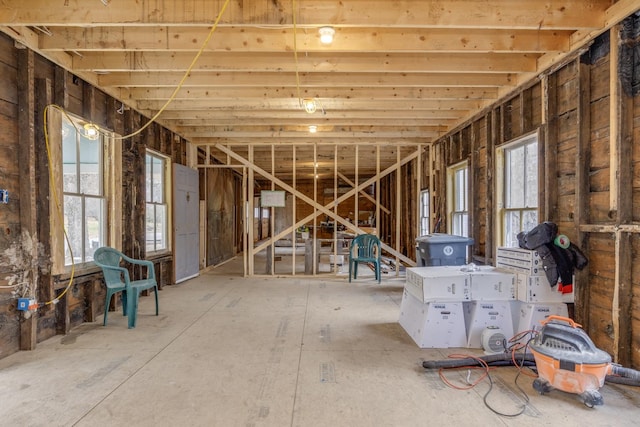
(27, 304)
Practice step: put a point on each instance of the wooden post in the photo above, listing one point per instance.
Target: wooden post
(490, 241)
(581, 211)
(548, 152)
(621, 203)
(28, 197)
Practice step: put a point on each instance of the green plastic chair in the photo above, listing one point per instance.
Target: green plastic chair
(116, 278)
(365, 248)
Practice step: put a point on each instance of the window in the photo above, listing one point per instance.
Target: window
(84, 201)
(156, 202)
(458, 200)
(520, 188)
(424, 212)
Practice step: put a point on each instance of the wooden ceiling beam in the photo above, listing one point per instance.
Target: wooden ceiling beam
(317, 62)
(310, 140)
(305, 134)
(291, 92)
(439, 124)
(244, 115)
(531, 14)
(347, 39)
(326, 104)
(323, 80)
(257, 129)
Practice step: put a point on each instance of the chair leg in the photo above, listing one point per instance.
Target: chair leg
(123, 300)
(132, 309)
(156, 289)
(106, 307)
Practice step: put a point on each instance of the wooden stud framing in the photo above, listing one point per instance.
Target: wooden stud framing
(249, 213)
(320, 209)
(27, 170)
(622, 166)
(581, 211)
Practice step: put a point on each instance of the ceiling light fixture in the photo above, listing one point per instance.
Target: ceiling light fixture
(309, 105)
(326, 34)
(91, 131)
(313, 129)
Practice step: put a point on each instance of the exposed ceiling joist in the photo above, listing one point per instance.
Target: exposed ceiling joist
(397, 73)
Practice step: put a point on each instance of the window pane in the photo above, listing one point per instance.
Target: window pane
(424, 212)
(73, 224)
(531, 188)
(150, 227)
(161, 227)
(515, 178)
(94, 225)
(148, 178)
(158, 180)
(529, 219)
(69, 158)
(90, 177)
(460, 189)
(512, 228)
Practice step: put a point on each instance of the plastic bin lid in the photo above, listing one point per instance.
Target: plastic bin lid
(436, 238)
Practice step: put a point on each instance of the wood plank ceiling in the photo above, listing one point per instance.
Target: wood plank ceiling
(398, 73)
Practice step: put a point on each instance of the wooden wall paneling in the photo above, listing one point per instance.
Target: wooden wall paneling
(514, 108)
(622, 104)
(491, 213)
(581, 207)
(548, 153)
(527, 122)
(635, 306)
(601, 284)
(60, 92)
(507, 121)
(44, 97)
(27, 198)
(473, 190)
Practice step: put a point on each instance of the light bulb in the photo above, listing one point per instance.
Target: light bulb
(313, 128)
(91, 131)
(309, 105)
(326, 34)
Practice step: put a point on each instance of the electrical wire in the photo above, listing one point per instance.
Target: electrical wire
(54, 192)
(485, 367)
(183, 79)
(56, 198)
(294, 13)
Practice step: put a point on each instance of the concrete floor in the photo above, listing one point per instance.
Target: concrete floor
(234, 351)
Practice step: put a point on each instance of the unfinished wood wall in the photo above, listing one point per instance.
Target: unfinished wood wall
(28, 83)
(588, 117)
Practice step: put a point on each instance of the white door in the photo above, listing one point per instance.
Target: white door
(186, 207)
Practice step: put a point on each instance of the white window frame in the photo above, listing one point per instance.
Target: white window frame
(425, 214)
(111, 185)
(155, 202)
(458, 199)
(527, 213)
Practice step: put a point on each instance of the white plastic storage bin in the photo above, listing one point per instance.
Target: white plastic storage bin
(489, 283)
(536, 289)
(519, 260)
(433, 324)
(527, 316)
(438, 284)
(481, 314)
